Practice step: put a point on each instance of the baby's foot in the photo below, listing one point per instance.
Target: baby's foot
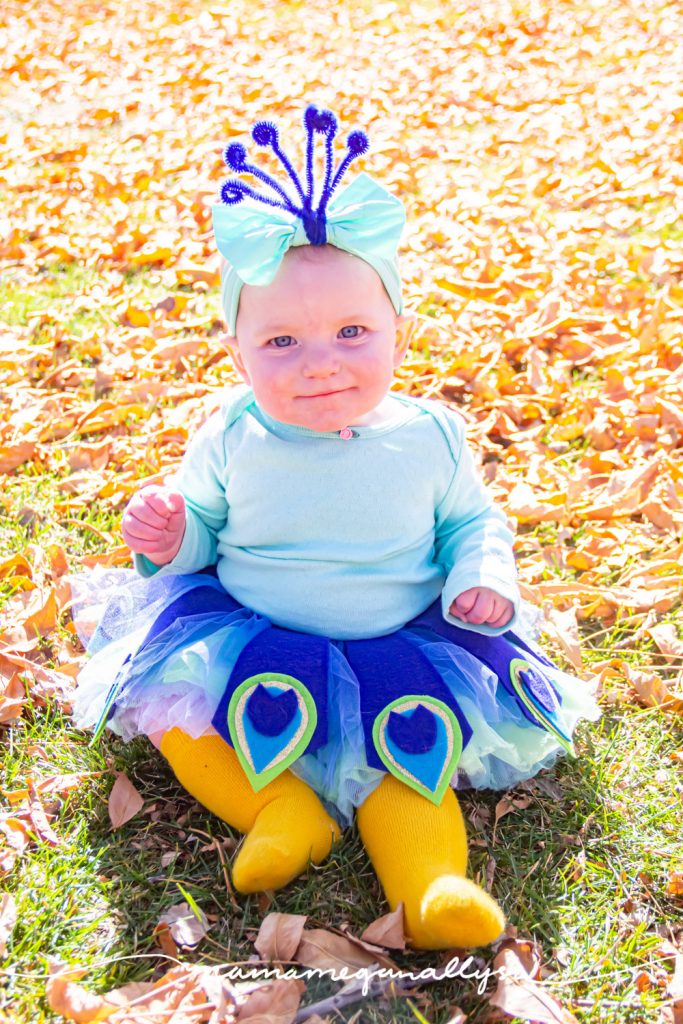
(453, 912)
(285, 837)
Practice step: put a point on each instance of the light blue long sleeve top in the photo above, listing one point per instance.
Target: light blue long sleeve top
(344, 538)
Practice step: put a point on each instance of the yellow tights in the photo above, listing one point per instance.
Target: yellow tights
(419, 851)
(285, 823)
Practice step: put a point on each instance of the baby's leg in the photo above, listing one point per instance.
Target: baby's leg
(419, 852)
(285, 822)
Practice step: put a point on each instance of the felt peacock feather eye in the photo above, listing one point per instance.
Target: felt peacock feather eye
(271, 718)
(538, 698)
(420, 742)
(303, 204)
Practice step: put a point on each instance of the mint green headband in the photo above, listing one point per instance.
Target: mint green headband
(253, 232)
(364, 220)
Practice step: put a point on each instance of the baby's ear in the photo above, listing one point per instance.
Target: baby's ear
(231, 345)
(405, 326)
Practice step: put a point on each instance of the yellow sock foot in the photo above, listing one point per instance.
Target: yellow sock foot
(288, 832)
(419, 852)
(285, 822)
(456, 912)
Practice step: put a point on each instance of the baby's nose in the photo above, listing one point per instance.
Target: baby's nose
(321, 362)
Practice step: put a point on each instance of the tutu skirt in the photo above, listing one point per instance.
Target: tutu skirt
(433, 703)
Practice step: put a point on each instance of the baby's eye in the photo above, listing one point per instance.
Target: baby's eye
(282, 341)
(351, 331)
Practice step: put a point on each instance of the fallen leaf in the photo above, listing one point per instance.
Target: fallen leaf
(652, 689)
(73, 1002)
(675, 884)
(518, 995)
(505, 806)
(186, 928)
(16, 833)
(279, 936)
(665, 636)
(327, 951)
(39, 819)
(124, 801)
(274, 1003)
(387, 930)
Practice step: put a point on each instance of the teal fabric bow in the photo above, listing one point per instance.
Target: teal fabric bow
(363, 219)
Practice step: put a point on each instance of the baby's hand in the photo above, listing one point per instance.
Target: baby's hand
(481, 606)
(154, 523)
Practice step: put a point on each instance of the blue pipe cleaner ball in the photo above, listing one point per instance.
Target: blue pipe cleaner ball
(232, 193)
(235, 156)
(310, 117)
(326, 123)
(264, 133)
(358, 143)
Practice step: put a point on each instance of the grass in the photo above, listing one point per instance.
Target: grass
(583, 869)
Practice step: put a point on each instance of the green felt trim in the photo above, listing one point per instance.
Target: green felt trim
(297, 744)
(406, 703)
(101, 725)
(518, 665)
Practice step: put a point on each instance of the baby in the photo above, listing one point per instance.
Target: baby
(325, 612)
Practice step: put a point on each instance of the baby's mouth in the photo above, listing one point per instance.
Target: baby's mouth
(325, 394)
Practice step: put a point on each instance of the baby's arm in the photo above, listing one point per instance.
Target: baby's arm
(474, 545)
(194, 508)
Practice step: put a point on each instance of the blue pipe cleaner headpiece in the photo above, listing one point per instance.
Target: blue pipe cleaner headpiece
(253, 231)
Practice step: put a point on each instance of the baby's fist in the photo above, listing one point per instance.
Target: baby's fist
(154, 523)
(480, 606)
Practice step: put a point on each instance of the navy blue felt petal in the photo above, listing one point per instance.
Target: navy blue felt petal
(413, 732)
(388, 667)
(270, 714)
(283, 652)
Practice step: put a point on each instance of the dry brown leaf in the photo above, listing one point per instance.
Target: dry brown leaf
(12, 698)
(186, 928)
(279, 936)
(669, 643)
(652, 689)
(16, 833)
(518, 995)
(39, 819)
(388, 930)
(124, 801)
(274, 1003)
(563, 627)
(72, 1001)
(505, 806)
(8, 858)
(165, 941)
(327, 951)
(675, 884)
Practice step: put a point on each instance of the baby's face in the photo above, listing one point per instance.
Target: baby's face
(319, 344)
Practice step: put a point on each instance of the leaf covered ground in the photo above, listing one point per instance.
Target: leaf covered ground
(537, 148)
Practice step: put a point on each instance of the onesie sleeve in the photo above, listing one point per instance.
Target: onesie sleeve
(201, 479)
(472, 540)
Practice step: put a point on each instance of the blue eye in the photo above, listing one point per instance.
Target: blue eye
(350, 332)
(282, 341)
